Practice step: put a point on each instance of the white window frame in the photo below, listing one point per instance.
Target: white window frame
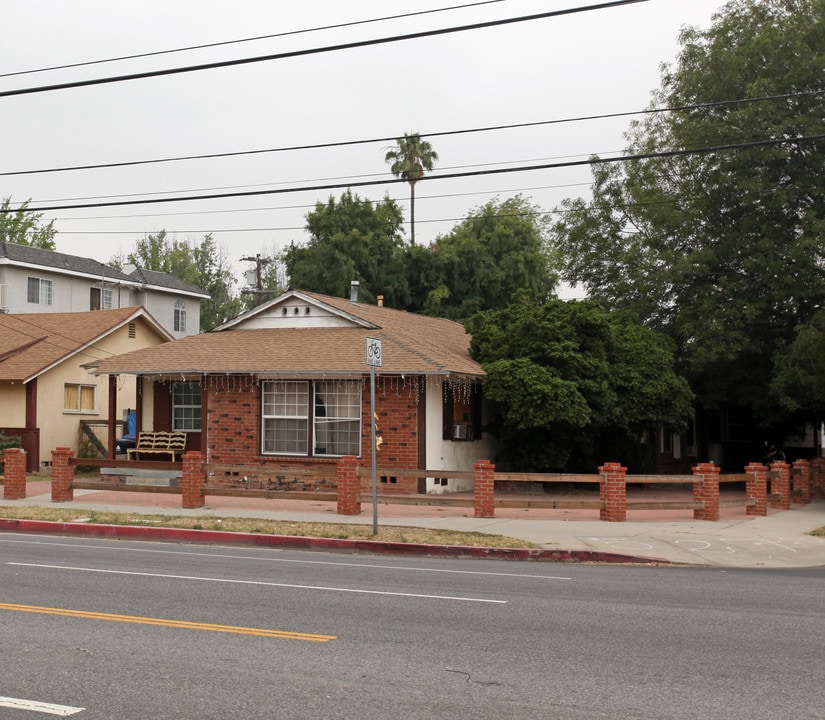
(180, 316)
(186, 406)
(297, 415)
(44, 291)
(77, 407)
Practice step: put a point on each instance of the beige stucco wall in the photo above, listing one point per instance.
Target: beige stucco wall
(12, 405)
(59, 428)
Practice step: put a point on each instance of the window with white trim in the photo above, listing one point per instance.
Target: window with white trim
(186, 406)
(180, 316)
(330, 424)
(39, 291)
(80, 398)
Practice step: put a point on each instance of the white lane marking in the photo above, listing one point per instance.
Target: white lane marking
(289, 560)
(259, 582)
(40, 707)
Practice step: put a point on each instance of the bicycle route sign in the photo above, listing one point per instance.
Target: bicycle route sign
(374, 357)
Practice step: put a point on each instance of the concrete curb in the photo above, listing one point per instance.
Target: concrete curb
(299, 542)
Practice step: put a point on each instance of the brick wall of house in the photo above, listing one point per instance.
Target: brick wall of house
(233, 428)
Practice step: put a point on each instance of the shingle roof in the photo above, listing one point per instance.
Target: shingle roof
(413, 344)
(31, 343)
(164, 280)
(60, 261)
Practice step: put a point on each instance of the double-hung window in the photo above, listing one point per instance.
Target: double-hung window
(39, 291)
(186, 406)
(324, 415)
(180, 316)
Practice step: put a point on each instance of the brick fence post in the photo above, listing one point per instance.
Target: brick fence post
(781, 484)
(756, 487)
(613, 492)
(62, 475)
(349, 486)
(484, 501)
(706, 491)
(15, 473)
(192, 480)
(817, 476)
(802, 480)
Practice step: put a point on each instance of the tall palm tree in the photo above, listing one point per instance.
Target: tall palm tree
(410, 158)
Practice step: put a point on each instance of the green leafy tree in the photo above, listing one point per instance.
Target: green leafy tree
(202, 264)
(409, 160)
(497, 254)
(351, 239)
(721, 249)
(571, 385)
(25, 227)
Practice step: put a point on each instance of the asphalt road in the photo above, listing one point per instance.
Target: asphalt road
(112, 629)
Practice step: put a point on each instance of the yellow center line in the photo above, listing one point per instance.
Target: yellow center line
(238, 630)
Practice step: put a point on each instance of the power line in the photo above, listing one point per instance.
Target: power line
(315, 51)
(439, 133)
(444, 176)
(245, 40)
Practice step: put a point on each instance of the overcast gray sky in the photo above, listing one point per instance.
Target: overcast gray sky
(590, 63)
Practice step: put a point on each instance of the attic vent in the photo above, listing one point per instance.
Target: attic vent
(283, 311)
(306, 310)
(132, 330)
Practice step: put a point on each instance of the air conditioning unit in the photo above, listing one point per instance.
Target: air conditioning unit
(462, 432)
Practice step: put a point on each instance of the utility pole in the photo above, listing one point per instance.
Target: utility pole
(258, 290)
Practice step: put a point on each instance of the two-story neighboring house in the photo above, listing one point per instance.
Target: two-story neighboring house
(33, 280)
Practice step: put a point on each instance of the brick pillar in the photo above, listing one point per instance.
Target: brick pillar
(706, 491)
(15, 474)
(756, 487)
(62, 475)
(192, 480)
(349, 486)
(613, 492)
(817, 476)
(802, 480)
(484, 500)
(781, 484)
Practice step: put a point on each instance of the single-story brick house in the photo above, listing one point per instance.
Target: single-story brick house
(288, 383)
(47, 397)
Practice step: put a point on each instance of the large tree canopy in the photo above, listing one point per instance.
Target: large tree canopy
(25, 227)
(351, 239)
(721, 248)
(497, 254)
(202, 264)
(570, 385)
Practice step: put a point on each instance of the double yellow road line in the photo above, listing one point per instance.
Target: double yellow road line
(160, 622)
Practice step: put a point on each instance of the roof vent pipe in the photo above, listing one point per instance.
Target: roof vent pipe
(353, 291)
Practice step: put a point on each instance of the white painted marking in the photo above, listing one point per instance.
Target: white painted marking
(265, 584)
(448, 571)
(40, 707)
(623, 543)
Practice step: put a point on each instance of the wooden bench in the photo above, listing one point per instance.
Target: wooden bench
(170, 443)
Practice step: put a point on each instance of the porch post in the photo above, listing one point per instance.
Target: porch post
(112, 439)
(14, 460)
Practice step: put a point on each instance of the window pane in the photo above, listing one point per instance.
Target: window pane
(186, 406)
(87, 398)
(45, 292)
(337, 418)
(70, 397)
(285, 410)
(33, 290)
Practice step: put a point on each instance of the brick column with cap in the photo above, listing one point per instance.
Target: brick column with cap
(756, 487)
(781, 484)
(802, 480)
(706, 491)
(349, 486)
(14, 460)
(484, 501)
(62, 475)
(192, 480)
(613, 492)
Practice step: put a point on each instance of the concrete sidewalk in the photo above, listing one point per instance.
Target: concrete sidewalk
(781, 539)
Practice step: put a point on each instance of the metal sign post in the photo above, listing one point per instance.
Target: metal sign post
(374, 360)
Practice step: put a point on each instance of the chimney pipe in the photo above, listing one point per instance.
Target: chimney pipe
(380, 301)
(353, 291)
